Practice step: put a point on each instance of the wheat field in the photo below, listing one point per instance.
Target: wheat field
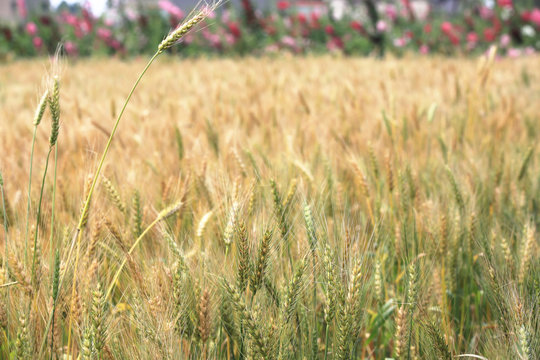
(273, 208)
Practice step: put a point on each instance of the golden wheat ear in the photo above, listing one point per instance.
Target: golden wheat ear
(184, 28)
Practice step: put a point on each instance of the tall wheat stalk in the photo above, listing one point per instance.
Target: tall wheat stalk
(6, 251)
(54, 105)
(6, 248)
(37, 120)
(169, 41)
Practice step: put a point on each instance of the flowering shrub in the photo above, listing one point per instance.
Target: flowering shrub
(396, 29)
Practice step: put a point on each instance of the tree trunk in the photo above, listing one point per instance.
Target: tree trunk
(376, 37)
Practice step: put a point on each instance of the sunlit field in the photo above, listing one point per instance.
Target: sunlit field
(274, 208)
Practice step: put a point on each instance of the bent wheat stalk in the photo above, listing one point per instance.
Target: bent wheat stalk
(168, 42)
(6, 254)
(161, 216)
(4, 216)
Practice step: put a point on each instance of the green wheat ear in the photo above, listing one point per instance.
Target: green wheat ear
(4, 216)
(179, 142)
(260, 342)
(310, 228)
(55, 283)
(455, 188)
(180, 32)
(54, 106)
(23, 349)
(525, 163)
(244, 265)
(113, 194)
(293, 292)
(98, 316)
(261, 263)
(136, 214)
(40, 110)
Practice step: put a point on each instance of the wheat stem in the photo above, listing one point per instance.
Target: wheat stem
(54, 194)
(29, 190)
(5, 219)
(56, 277)
(39, 215)
(119, 271)
(6, 252)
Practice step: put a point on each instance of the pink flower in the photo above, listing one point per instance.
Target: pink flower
(104, 34)
(230, 39)
(131, 14)
(315, 16)
(116, 45)
(234, 29)
(335, 44)
(391, 12)
(401, 41)
(472, 38)
(283, 5)
(446, 27)
(38, 42)
(188, 39)
(454, 39)
(78, 32)
(71, 48)
(514, 53)
(504, 3)
(270, 30)
(273, 48)
(31, 28)
(489, 34)
(69, 18)
(86, 26)
(302, 19)
(529, 50)
(356, 25)
(329, 30)
(381, 26)
(213, 39)
(424, 49)
(288, 41)
(505, 40)
(535, 17)
(211, 14)
(486, 13)
(172, 9)
(450, 31)
(21, 6)
(87, 11)
(225, 16)
(287, 22)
